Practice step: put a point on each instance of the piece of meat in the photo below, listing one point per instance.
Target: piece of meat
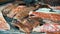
(8, 9)
(13, 12)
(23, 12)
(27, 24)
(47, 27)
(57, 32)
(3, 24)
(19, 12)
(23, 27)
(37, 19)
(50, 16)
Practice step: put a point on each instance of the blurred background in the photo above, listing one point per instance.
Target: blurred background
(50, 2)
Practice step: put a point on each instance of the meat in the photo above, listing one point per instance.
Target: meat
(27, 28)
(47, 27)
(27, 24)
(3, 24)
(23, 27)
(23, 12)
(49, 20)
(57, 32)
(27, 21)
(16, 12)
(53, 17)
(8, 9)
(13, 12)
(19, 12)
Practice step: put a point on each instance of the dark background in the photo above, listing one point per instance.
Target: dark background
(50, 2)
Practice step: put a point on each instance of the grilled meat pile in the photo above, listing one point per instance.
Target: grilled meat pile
(27, 20)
